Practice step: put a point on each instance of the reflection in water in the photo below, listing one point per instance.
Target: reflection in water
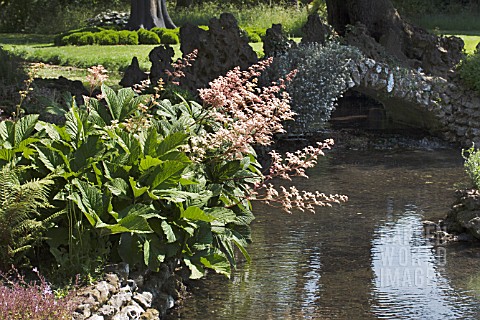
(407, 268)
(365, 259)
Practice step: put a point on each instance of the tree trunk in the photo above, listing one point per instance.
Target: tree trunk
(148, 14)
(380, 21)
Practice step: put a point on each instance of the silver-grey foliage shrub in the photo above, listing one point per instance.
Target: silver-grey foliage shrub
(323, 76)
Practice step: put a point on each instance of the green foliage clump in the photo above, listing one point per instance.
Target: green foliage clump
(170, 38)
(19, 228)
(167, 36)
(128, 37)
(107, 38)
(87, 38)
(125, 185)
(159, 31)
(255, 33)
(71, 37)
(469, 71)
(148, 37)
(472, 165)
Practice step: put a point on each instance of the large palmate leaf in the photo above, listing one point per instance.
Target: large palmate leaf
(153, 252)
(118, 187)
(77, 125)
(221, 215)
(91, 201)
(24, 128)
(177, 196)
(150, 142)
(132, 223)
(122, 104)
(137, 191)
(165, 175)
(168, 232)
(196, 271)
(133, 219)
(171, 143)
(53, 159)
(16, 137)
(130, 248)
(129, 144)
(217, 262)
(195, 213)
(91, 149)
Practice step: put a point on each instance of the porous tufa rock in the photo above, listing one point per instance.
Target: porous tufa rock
(220, 49)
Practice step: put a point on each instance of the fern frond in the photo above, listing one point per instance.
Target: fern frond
(19, 208)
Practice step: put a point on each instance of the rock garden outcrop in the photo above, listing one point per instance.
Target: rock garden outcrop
(122, 295)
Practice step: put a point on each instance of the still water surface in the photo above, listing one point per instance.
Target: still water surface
(366, 259)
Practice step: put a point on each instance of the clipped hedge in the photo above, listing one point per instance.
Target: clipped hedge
(148, 37)
(170, 38)
(109, 36)
(128, 37)
(88, 38)
(67, 38)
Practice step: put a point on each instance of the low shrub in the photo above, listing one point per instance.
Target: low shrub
(128, 37)
(472, 165)
(63, 39)
(87, 38)
(159, 31)
(167, 36)
(469, 71)
(72, 39)
(148, 37)
(170, 37)
(107, 38)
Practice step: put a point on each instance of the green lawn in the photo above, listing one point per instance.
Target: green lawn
(39, 48)
(71, 61)
(471, 42)
(111, 57)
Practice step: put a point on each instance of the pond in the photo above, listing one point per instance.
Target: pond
(365, 259)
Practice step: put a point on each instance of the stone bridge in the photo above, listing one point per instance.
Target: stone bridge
(410, 97)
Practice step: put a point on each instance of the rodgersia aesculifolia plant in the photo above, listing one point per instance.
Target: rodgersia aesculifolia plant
(159, 180)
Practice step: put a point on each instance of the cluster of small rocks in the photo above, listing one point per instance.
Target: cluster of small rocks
(464, 217)
(437, 233)
(109, 19)
(122, 296)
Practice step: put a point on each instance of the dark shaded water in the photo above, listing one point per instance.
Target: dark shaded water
(366, 259)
